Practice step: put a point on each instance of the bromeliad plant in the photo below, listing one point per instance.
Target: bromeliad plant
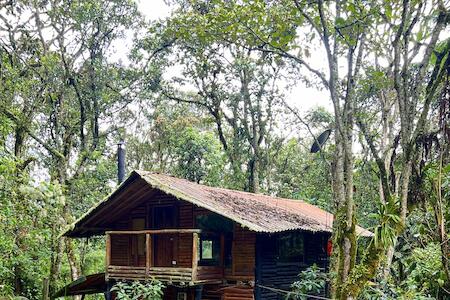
(149, 290)
(388, 221)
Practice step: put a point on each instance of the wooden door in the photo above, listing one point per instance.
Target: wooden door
(164, 244)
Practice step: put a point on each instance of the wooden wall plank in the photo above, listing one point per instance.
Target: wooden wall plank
(243, 254)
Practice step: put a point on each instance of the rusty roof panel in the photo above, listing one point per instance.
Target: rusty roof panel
(258, 212)
(84, 285)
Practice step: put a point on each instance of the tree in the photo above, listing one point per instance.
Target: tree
(223, 121)
(67, 91)
(177, 140)
(237, 87)
(407, 94)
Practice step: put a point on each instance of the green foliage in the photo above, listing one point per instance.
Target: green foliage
(391, 291)
(311, 281)
(55, 89)
(199, 157)
(98, 178)
(93, 258)
(216, 20)
(301, 175)
(65, 102)
(424, 277)
(319, 118)
(149, 290)
(426, 274)
(181, 144)
(367, 193)
(25, 212)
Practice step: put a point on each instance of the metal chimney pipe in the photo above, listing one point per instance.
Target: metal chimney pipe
(120, 161)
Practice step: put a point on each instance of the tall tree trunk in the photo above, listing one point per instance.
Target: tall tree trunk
(440, 224)
(57, 249)
(338, 256)
(74, 273)
(253, 178)
(72, 259)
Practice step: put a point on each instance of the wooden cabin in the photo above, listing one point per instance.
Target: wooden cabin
(202, 242)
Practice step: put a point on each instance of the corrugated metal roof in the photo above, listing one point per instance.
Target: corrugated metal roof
(85, 285)
(258, 212)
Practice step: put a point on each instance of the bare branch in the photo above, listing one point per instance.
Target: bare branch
(17, 121)
(374, 151)
(279, 51)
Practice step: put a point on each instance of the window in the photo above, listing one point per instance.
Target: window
(209, 251)
(181, 296)
(209, 247)
(291, 247)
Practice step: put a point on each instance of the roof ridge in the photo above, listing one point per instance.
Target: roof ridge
(229, 189)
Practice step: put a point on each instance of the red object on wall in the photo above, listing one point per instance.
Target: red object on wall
(329, 247)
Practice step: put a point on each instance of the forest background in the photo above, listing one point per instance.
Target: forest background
(219, 92)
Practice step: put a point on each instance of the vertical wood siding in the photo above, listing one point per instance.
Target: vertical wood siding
(186, 220)
(243, 254)
(120, 250)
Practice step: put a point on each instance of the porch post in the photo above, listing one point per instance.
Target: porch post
(108, 254)
(148, 253)
(195, 248)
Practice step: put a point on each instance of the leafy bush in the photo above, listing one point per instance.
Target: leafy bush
(426, 270)
(424, 277)
(311, 281)
(149, 290)
(387, 291)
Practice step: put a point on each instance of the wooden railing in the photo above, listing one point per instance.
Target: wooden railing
(189, 275)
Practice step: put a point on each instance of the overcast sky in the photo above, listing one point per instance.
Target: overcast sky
(300, 96)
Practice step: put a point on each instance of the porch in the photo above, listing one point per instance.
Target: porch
(169, 255)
